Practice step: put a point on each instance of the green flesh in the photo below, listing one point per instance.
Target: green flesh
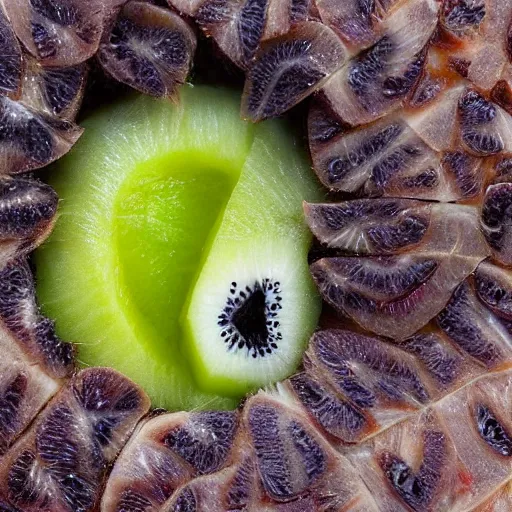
(163, 225)
(157, 202)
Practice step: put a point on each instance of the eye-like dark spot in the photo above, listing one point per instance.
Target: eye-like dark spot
(492, 431)
(251, 318)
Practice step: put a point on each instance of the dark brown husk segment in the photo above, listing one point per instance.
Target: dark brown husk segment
(404, 400)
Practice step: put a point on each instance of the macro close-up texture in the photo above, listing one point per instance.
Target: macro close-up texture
(256, 255)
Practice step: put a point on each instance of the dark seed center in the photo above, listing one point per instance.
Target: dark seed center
(249, 319)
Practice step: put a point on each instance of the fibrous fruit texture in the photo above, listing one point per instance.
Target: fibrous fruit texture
(181, 235)
(403, 400)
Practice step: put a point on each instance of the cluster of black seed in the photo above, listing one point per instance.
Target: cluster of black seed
(250, 318)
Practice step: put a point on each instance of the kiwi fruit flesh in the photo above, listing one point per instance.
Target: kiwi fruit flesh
(180, 254)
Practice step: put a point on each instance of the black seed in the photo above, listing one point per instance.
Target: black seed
(492, 431)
